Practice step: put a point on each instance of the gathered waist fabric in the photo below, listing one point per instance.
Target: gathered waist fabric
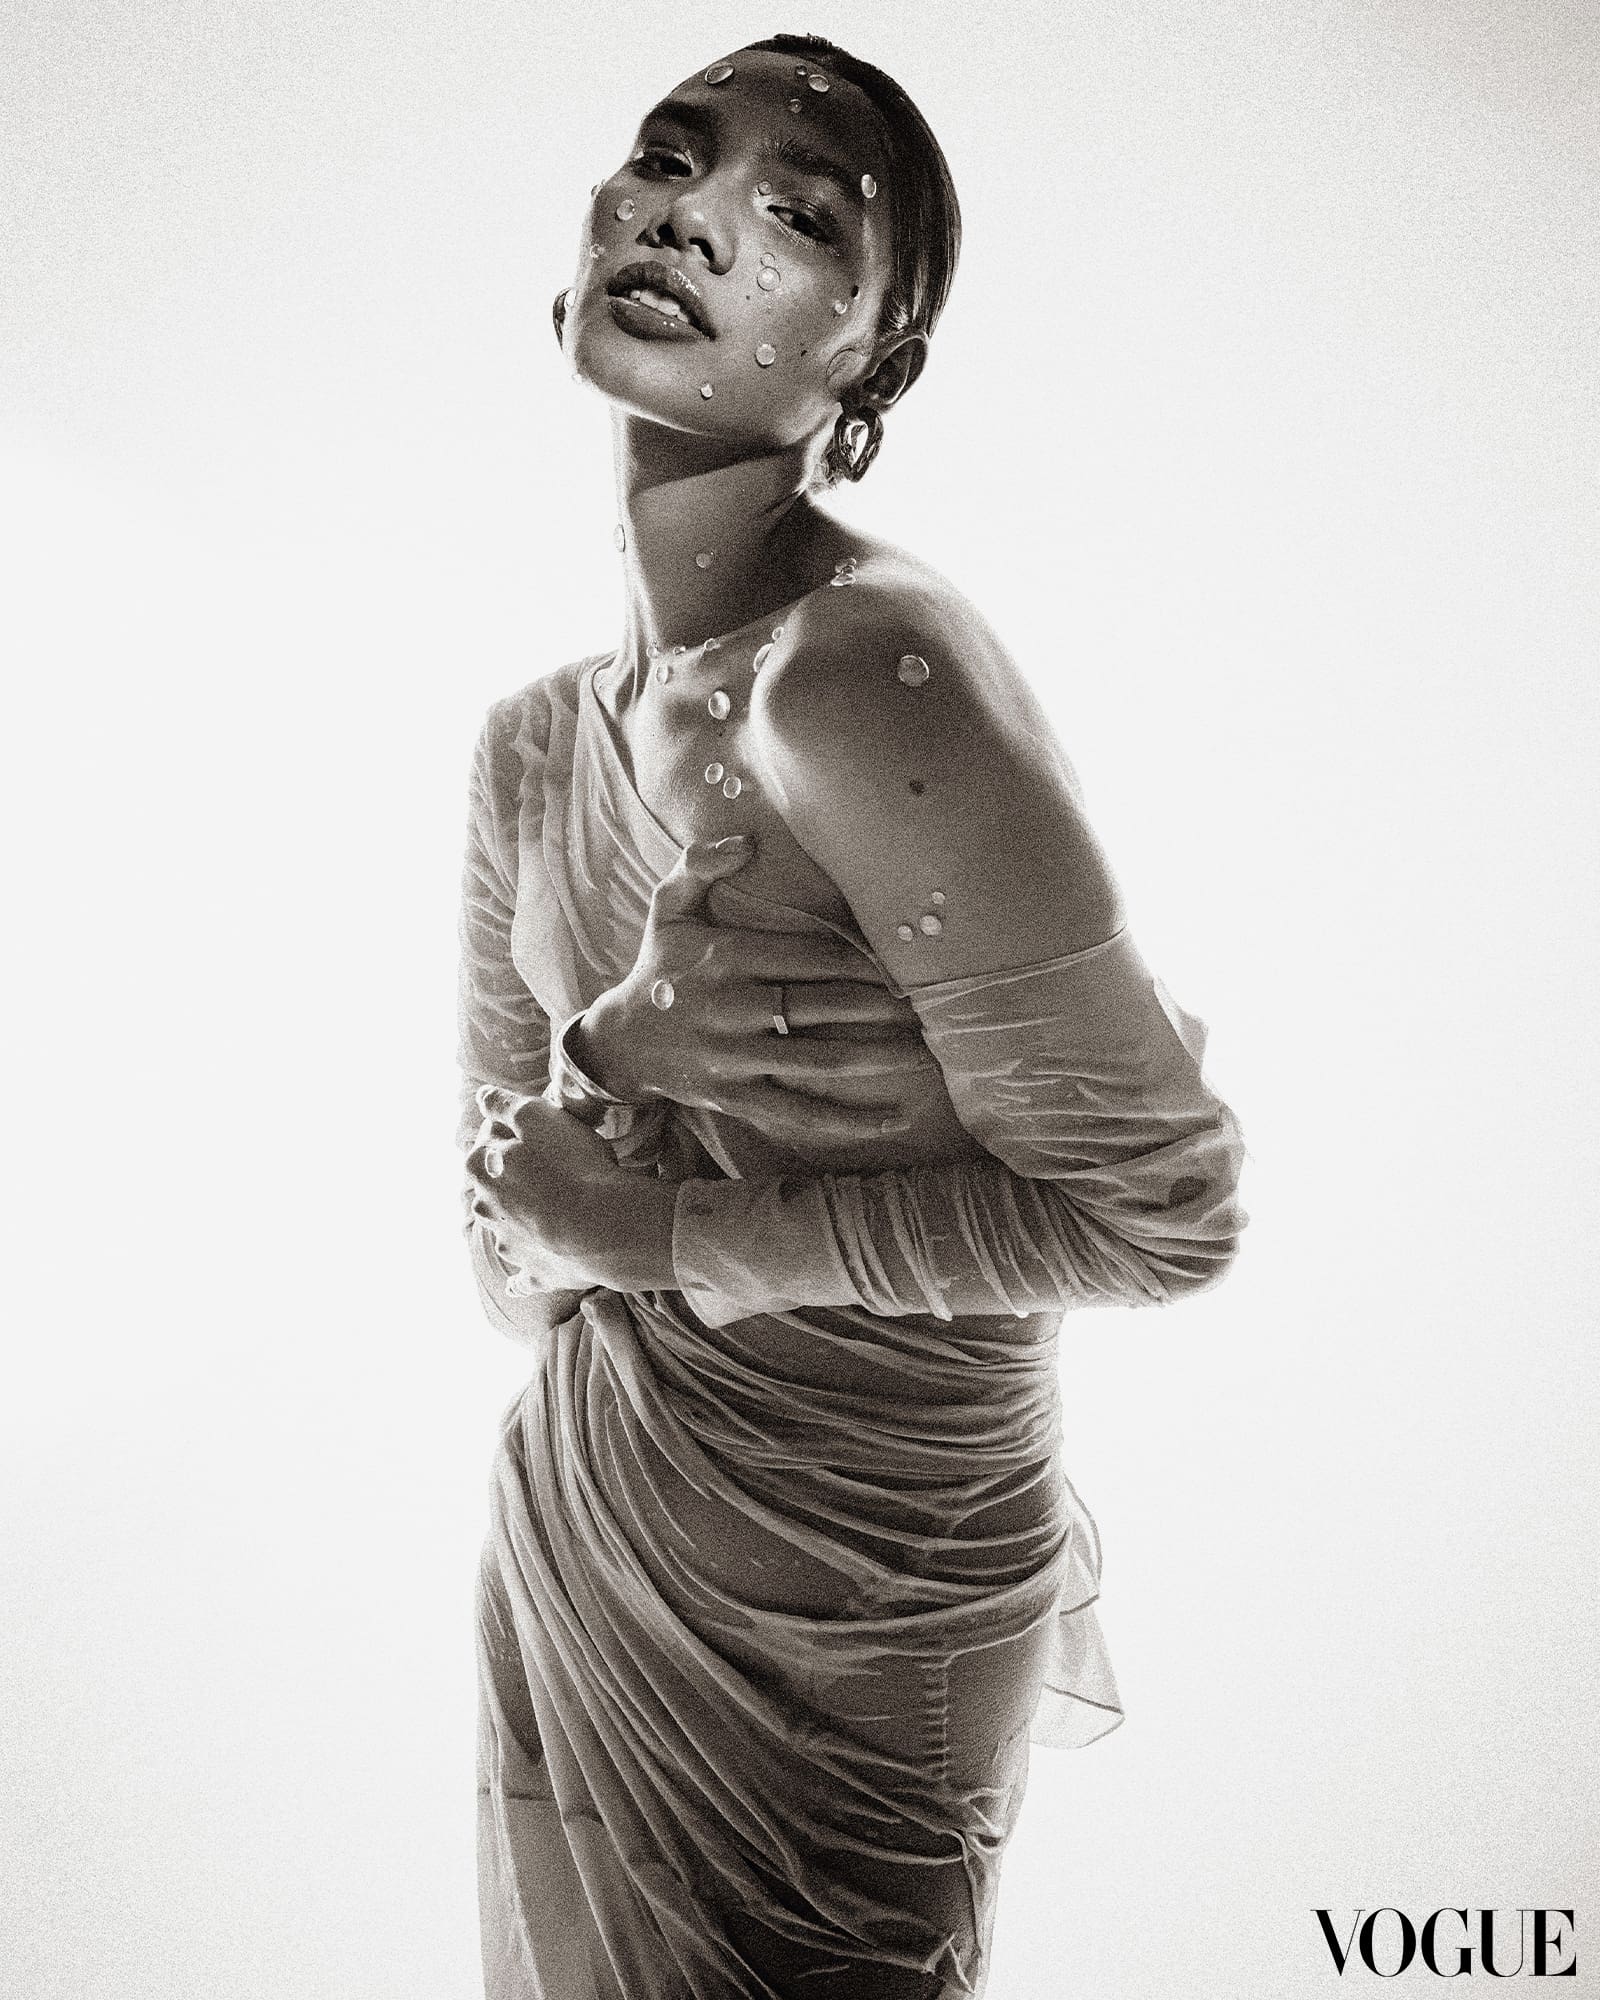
(737, 1572)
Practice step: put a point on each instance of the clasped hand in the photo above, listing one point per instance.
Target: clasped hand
(559, 1208)
(779, 1029)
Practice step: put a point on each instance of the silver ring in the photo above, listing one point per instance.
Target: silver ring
(780, 1025)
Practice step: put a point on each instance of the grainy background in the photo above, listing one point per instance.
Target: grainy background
(1262, 426)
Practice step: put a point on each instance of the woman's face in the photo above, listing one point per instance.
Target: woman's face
(751, 196)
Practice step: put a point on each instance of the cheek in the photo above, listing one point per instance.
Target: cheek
(613, 212)
(804, 321)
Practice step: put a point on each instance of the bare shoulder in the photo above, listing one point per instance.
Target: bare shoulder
(902, 741)
(901, 654)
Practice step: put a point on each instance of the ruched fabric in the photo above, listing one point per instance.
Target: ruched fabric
(784, 1574)
(1110, 1179)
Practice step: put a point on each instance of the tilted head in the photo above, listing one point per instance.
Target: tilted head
(790, 225)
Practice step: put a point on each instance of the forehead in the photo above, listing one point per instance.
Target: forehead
(757, 99)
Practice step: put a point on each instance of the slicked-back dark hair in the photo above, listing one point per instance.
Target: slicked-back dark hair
(925, 216)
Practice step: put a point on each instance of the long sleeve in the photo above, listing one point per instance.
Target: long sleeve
(1111, 1177)
(504, 1034)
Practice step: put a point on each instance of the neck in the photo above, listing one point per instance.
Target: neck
(682, 497)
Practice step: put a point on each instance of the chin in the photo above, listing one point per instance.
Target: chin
(659, 382)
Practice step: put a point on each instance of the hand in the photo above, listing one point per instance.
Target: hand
(853, 1055)
(557, 1204)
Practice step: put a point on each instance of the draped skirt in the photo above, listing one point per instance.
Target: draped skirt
(768, 1617)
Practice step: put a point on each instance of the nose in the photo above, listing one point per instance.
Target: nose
(688, 223)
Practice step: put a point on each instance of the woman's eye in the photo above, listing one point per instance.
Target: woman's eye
(656, 159)
(804, 223)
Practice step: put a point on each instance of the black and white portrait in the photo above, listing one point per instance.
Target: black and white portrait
(803, 1051)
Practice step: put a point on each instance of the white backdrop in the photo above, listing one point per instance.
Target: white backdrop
(1262, 425)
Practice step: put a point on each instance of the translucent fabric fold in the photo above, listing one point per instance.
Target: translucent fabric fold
(784, 1574)
(1111, 1177)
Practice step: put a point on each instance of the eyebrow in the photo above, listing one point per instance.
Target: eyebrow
(820, 166)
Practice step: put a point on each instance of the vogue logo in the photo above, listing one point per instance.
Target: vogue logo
(1448, 1940)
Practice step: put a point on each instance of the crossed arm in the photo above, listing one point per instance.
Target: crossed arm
(1110, 1167)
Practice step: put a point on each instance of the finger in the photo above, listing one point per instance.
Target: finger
(812, 1064)
(499, 1132)
(826, 1003)
(797, 1119)
(682, 892)
(477, 1162)
(789, 957)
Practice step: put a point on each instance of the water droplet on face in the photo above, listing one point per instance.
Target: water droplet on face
(662, 995)
(869, 187)
(703, 560)
(794, 104)
(761, 658)
(763, 187)
(680, 650)
(619, 536)
(731, 788)
(594, 250)
(937, 899)
(625, 209)
(843, 573)
(711, 645)
(663, 672)
(839, 306)
(904, 931)
(707, 391)
(817, 80)
(777, 631)
(651, 651)
(766, 354)
(594, 190)
(719, 704)
(719, 72)
(713, 774)
(912, 670)
(768, 279)
(768, 258)
(929, 925)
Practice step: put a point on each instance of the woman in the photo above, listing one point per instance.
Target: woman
(818, 1074)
